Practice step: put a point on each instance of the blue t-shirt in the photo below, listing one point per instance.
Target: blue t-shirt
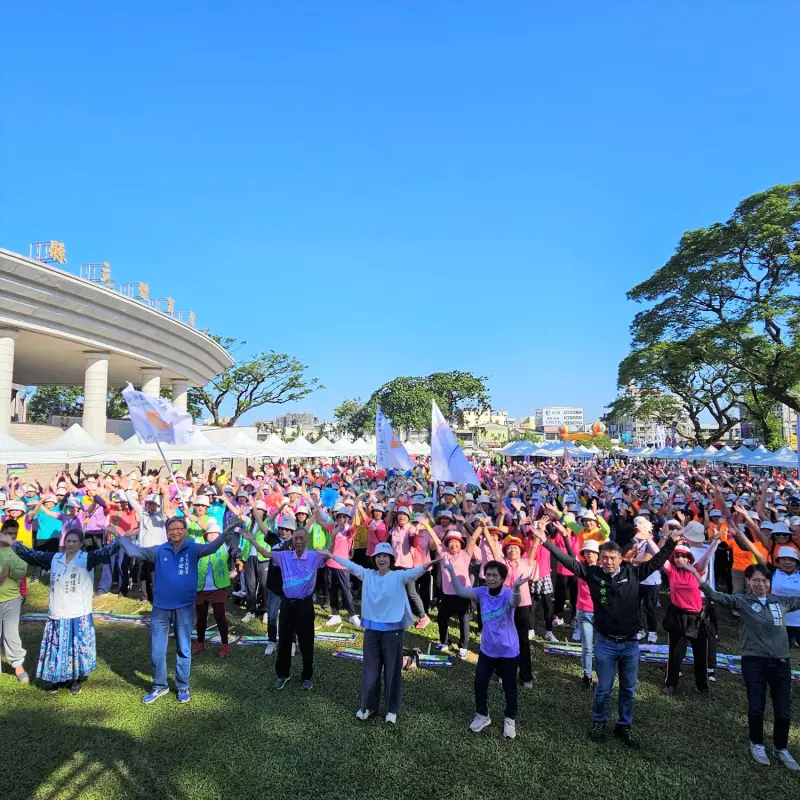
(175, 575)
(49, 527)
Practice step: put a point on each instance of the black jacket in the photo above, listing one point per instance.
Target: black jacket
(616, 599)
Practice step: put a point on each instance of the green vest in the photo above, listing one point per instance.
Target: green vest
(195, 532)
(246, 546)
(318, 538)
(219, 569)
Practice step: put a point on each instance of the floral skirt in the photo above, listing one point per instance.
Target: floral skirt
(68, 650)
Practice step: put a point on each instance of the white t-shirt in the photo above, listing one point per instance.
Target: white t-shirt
(785, 585)
(699, 550)
(651, 580)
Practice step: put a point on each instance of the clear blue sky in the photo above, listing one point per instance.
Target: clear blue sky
(396, 188)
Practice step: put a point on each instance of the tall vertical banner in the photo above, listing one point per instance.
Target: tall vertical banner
(798, 446)
(391, 452)
(157, 420)
(448, 462)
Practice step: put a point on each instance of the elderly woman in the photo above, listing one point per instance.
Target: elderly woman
(385, 614)
(401, 538)
(68, 654)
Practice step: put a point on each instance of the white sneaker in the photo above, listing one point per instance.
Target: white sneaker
(550, 637)
(712, 676)
(294, 649)
(509, 728)
(479, 723)
(759, 753)
(239, 594)
(363, 714)
(264, 619)
(527, 685)
(652, 637)
(576, 635)
(355, 620)
(531, 635)
(641, 635)
(787, 759)
(248, 617)
(391, 718)
(334, 619)
(270, 648)
(462, 653)
(557, 622)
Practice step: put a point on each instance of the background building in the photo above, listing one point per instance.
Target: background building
(475, 417)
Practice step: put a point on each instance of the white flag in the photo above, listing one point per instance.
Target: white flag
(157, 420)
(448, 462)
(391, 452)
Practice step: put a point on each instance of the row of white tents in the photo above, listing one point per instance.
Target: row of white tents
(547, 450)
(76, 445)
(784, 457)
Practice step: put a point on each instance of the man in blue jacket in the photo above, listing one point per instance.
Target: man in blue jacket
(174, 590)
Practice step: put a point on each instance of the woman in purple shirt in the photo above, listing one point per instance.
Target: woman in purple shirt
(499, 642)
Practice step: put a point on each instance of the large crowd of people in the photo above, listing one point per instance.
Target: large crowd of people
(596, 547)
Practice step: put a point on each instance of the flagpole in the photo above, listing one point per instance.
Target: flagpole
(172, 475)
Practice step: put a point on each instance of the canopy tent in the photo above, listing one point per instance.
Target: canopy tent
(325, 447)
(300, 448)
(361, 448)
(74, 445)
(785, 458)
(343, 446)
(417, 448)
(12, 451)
(738, 456)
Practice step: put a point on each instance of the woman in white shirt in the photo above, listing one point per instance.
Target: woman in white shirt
(385, 614)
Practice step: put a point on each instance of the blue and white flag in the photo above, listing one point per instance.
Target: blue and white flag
(448, 462)
(157, 420)
(391, 452)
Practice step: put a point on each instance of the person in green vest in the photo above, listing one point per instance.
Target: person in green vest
(319, 538)
(198, 518)
(213, 581)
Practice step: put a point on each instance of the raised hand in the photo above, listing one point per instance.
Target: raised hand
(519, 581)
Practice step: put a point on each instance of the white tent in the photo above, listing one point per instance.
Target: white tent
(324, 447)
(300, 448)
(361, 448)
(12, 451)
(74, 445)
(343, 446)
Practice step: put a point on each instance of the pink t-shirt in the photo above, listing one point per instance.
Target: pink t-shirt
(342, 545)
(460, 565)
(423, 545)
(401, 539)
(541, 563)
(517, 569)
(584, 601)
(566, 545)
(684, 590)
(376, 533)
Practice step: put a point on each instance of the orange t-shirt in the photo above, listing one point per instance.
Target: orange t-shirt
(742, 559)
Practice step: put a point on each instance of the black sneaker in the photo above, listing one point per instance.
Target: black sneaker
(626, 734)
(50, 688)
(587, 680)
(281, 682)
(75, 688)
(598, 732)
(705, 692)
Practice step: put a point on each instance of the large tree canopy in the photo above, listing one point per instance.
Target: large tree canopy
(734, 288)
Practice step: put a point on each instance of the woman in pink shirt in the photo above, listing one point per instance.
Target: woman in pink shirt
(376, 528)
(337, 578)
(453, 552)
(686, 619)
(402, 537)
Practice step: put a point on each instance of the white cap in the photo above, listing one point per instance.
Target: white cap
(695, 532)
(788, 552)
(212, 526)
(781, 527)
(591, 545)
(383, 548)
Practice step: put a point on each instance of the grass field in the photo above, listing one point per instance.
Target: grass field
(239, 738)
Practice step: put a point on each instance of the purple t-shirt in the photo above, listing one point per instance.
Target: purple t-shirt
(299, 574)
(499, 638)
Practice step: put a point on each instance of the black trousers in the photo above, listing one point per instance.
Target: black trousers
(255, 578)
(296, 617)
(47, 546)
(383, 656)
(321, 589)
(506, 668)
(648, 602)
(146, 570)
(522, 622)
(547, 611)
(775, 673)
(723, 563)
(454, 606)
(337, 582)
(414, 599)
(678, 643)
(564, 586)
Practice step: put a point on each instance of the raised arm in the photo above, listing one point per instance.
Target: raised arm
(103, 555)
(248, 536)
(461, 591)
(350, 566)
(36, 558)
(133, 550)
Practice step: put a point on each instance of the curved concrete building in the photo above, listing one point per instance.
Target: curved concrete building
(57, 328)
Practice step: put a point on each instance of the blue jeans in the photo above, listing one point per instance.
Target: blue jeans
(273, 609)
(585, 621)
(160, 621)
(612, 657)
(107, 572)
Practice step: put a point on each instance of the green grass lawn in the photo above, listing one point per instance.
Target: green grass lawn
(239, 738)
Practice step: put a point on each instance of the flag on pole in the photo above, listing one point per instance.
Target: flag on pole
(157, 420)
(448, 462)
(391, 452)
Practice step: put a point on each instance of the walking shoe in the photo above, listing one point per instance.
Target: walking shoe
(355, 620)
(199, 647)
(363, 714)
(307, 685)
(550, 637)
(787, 759)
(668, 690)
(531, 635)
(704, 692)
(641, 635)
(264, 619)
(441, 647)
(294, 649)
(75, 688)
(224, 650)
(712, 676)
(50, 688)
(281, 682)
(509, 728)
(248, 617)
(391, 718)
(462, 653)
(184, 696)
(527, 684)
(598, 732)
(270, 648)
(558, 622)
(576, 635)
(153, 695)
(626, 734)
(479, 723)
(239, 594)
(334, 619)
(652, 637)
(759, 753)
(587, 680)
(423, 623)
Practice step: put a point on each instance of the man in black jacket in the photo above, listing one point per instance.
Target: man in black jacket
(614, 586)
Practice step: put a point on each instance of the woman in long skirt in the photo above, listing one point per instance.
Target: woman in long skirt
(68, 653)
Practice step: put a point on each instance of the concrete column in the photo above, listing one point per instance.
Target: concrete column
(151, 381)
(180, 391)
(95, 391)
(7, 337)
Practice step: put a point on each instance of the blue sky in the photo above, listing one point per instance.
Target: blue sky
(396, 188)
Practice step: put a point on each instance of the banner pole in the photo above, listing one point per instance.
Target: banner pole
(172, 475)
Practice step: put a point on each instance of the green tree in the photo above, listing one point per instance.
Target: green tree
(53, 401)
(251, 383)
(735, 286)
(457, 391)
(760, 413)
(526, 436)
(345, 415)
(602, 442)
